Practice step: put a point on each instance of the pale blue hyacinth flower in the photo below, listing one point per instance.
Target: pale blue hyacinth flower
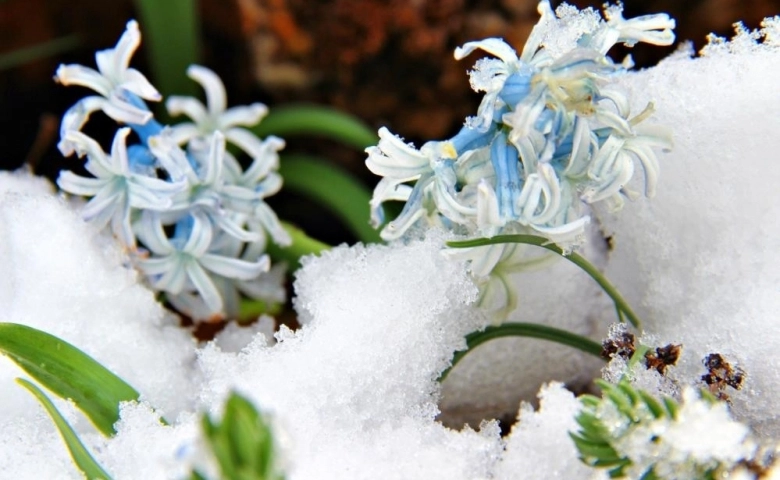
(114, 80)
(207, 190)
(115, 189)
(260, 176)
(551, 135)
(182, 180)
(184, 263)
(433, 168)
(215, 116)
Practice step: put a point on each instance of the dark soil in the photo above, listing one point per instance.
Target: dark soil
(387, 61)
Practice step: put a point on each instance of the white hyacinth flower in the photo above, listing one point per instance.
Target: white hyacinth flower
(114, 80)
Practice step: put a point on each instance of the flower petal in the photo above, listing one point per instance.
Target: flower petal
(178, 105)
(216, 98)
(204, 285)
(235, 268)
(247, 116)
(494, 46)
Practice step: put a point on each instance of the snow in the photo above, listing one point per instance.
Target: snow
(353, 393)
(699, 261)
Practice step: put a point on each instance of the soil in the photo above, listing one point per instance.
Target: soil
(389, 62)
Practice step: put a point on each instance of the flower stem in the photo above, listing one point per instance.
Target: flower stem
(172, 33)
(577, 259)
(531, 330)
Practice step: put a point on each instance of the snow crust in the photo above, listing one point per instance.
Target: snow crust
(354, 391)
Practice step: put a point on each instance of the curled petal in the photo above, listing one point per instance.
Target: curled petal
(118, 59)
(200, 236)
(412, 211)
(216, 98)
(235, 268)
(134, 81)
(387, 189)
(191, 107)
(85, 77)
(78, 185)
(204, 285)
(494, 46)
(246, 116)
(75, 118)
(394, 158)
(488, 218)
(270, 222)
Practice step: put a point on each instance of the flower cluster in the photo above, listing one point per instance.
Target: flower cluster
(192, 218)
(551, 136)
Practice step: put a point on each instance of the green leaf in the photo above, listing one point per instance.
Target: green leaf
(671, 406)
(596, 451)
(654, 405)
(531, 330)
(68, 373)
(29, 54)
(170, 29)
(241, 442)
(301, 245)
(573, 257)
(334, 188)
(78, 452)
(317, 120)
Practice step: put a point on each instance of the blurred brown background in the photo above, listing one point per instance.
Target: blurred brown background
(387, 61)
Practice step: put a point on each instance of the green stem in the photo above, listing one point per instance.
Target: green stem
(171, 33)
(575, 258)
(301, 245)
(638, 356)
(334, 188)
(531, 330)
(313, 119)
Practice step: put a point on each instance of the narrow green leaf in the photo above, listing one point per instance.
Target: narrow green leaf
(170, 29)
(301, 245)
(78, 452)
(621, 401)
(20, 56)
(654, 405)
(671, 406)
(67, 372)
(334, 188)
(317, 120)
(602, 452)
(531, 330)
(573, 257)
(630, 392)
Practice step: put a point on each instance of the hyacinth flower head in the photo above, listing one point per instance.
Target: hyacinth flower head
(193, 220)
(552, 135)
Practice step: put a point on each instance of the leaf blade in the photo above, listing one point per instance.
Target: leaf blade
(78, 452)
(68, 373)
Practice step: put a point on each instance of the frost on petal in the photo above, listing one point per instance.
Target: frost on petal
(396, 159)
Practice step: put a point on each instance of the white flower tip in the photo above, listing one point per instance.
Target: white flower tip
(265, 263)
(260, 110)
